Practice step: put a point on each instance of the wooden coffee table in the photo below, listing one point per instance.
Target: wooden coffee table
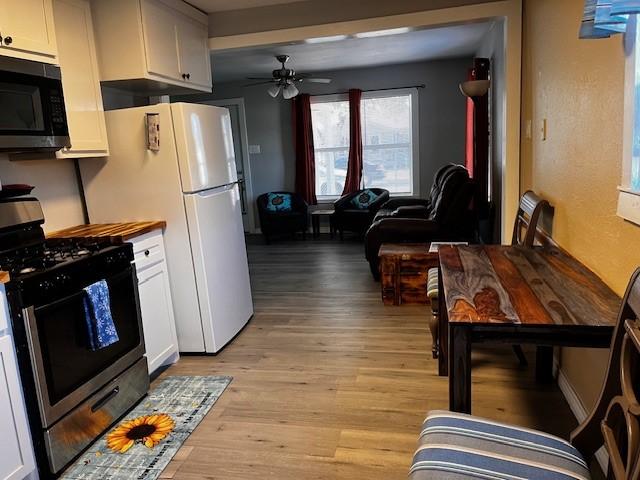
(403, 272)
(517, 295)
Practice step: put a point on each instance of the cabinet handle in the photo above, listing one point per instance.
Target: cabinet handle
(188, 76)
(8, 40)
(184, 76)
(146, 253)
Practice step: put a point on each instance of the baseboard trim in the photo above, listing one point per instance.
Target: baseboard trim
(576, 406)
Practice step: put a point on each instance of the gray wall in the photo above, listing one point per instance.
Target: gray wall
(442, 116)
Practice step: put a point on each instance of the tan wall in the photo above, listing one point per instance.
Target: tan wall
(577, 85)
(56, 188)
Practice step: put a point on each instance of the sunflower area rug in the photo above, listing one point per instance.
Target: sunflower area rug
(143, 443)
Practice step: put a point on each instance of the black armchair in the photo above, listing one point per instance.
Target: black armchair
(444, 216)
(283, 222)
(348, 217)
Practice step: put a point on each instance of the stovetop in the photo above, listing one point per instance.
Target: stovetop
(44, 256)
(57, 268)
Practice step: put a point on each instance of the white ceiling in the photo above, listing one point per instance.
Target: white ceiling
(415, 46)
(210, 6)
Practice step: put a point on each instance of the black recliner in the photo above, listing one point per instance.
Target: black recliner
(445, 216)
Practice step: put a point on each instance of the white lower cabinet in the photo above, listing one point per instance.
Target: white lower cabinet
(16, 452)
(158, 322)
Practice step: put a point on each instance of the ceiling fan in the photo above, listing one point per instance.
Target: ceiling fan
(285, 79)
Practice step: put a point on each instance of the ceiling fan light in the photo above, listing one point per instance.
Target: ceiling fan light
(289, 92)
(273, 90)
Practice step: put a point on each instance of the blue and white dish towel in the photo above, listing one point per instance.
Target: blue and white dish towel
(101, 331)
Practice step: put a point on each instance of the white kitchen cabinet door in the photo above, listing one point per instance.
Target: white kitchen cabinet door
(27, 30)
(194, 51)
(16, 457)
(157, 315)
(80, 80)
(160, 38)
(152, 47)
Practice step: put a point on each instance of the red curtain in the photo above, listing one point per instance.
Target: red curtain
(303, 143)
(469, 144)
(354, 167)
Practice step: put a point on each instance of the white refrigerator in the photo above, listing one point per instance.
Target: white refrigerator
(189, 180)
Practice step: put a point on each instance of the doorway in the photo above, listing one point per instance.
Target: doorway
(241, 148)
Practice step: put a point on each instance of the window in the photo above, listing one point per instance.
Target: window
(330, 120)
(635, 153)
(629, 200)
(389, 127)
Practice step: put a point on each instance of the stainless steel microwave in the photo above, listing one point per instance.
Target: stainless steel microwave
(32, 113)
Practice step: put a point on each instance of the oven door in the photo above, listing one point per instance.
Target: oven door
(65, 369)
(32, 116)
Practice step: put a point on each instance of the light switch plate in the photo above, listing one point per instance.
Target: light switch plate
(528, 130)
(254, 149)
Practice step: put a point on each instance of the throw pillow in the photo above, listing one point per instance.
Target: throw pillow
(279, 202)
(364, 199)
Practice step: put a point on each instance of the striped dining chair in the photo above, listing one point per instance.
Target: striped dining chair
(456, 446)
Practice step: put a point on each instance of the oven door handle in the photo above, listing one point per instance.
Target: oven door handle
(68, 298)
(104, 400)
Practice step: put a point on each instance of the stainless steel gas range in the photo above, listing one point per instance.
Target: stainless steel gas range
(73, 393)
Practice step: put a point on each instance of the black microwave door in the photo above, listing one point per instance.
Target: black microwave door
(31, 106)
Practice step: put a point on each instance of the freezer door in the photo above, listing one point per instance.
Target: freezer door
(220, 259)
(204, 143)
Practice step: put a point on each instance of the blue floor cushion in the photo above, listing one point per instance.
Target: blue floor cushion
(455, 446)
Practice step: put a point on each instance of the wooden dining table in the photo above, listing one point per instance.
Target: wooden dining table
(517, 295)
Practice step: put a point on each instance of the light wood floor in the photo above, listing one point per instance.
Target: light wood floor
(330, 384)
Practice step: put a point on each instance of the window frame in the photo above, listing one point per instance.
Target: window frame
(415, 133)
(628, 198)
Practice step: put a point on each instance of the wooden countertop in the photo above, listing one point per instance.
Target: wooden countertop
(115, 231)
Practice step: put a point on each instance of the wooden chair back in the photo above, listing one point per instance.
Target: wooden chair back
(615, 420)
(526, 224)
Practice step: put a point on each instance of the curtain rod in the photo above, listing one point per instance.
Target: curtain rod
(422, 85)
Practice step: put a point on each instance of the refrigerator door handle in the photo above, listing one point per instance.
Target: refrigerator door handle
(209, 192)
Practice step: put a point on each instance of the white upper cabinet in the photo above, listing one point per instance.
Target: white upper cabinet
(152, 46)
(80, 80)
(160, 39)
(193, 48)
(27, 31)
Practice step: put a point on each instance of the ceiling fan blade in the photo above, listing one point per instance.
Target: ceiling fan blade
(258, 83)
(317, 80)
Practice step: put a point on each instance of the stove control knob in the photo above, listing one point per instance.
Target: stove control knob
(46, 285)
